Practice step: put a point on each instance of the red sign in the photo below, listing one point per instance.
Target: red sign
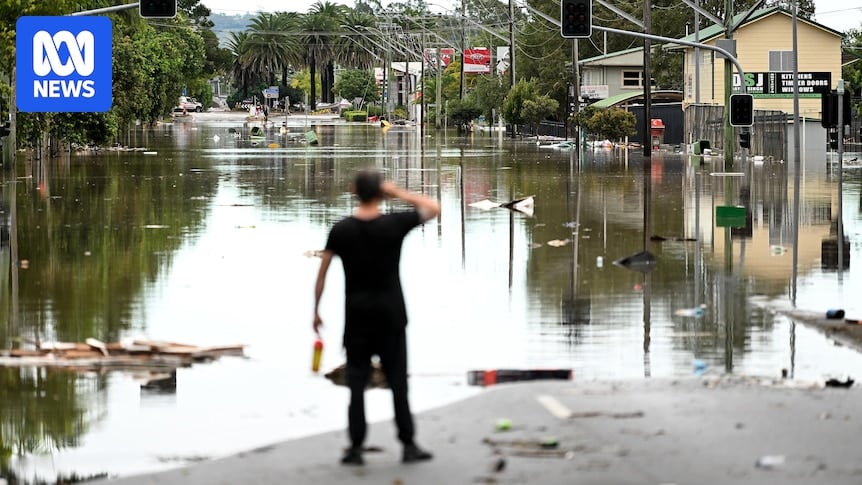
(477, 60)
(446, 55)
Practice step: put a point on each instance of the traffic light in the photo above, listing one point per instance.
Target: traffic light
(745, 139)
(576, 19)
(833, 139)
(829, 109)
(158, 8)
(741, 110)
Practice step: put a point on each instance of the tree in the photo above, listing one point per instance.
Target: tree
(852, 71)
(613, 123)
(356, 83)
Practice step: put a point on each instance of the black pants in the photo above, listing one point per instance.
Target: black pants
(392, 350)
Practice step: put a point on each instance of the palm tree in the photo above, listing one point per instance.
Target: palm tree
(268, 45)
(320, 26)
(355, 49)
(237, 45)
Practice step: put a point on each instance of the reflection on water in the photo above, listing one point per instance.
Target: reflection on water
(204, 242)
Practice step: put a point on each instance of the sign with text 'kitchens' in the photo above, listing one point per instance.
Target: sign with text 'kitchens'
(780, 84)
(63, 64)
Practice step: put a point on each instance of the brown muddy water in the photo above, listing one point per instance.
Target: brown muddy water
(205, 242)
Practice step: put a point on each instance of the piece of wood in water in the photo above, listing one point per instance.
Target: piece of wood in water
(97, 344)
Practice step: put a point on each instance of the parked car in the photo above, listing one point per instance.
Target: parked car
(189, 104)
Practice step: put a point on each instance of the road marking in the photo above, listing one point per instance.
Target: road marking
(554, 406)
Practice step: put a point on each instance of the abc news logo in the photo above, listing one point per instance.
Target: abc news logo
(64, 64)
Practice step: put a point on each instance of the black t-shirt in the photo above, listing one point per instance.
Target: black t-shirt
(370, 251)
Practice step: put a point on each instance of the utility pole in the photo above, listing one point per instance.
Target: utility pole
(728, 89)
(511, 44)
(647, 82)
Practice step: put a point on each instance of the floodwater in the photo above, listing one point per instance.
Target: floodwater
(205, 242)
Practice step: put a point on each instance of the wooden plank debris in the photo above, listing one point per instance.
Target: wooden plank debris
(95, 354)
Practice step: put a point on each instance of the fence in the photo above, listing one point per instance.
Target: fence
(768, 135)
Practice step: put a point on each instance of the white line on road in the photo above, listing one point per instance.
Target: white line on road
(554, 406)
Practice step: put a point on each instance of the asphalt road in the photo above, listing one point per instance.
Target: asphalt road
(708, 429)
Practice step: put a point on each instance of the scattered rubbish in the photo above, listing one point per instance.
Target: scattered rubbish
(571, 225)
(484, 204)
(94, 353)
(699, 366)
(155, 226)
(272, 145)
(600, 261)
(503, 424)
(777, 250)
(311, 137)
(535, 245)
(499, 376)
(549, 442)
(24, 263)
(557, 243)
(837, 383)
(216, 138)
(643, 262)
(376, 379)
(607, 414)
(697, 311)
(525, 205)
(658, 238)
(499, 465)
(768, 462)
(834, 314)
(526, 448)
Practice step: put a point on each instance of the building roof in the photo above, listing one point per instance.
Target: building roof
(716, 30)
(617, 58)
(667, 96)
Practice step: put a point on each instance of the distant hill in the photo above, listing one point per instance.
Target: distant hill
(225, 24)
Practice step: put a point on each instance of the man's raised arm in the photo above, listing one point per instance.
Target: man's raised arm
(428, 208)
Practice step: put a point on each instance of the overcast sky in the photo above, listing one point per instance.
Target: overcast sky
(837, 14)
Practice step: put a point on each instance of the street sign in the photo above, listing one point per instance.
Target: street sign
(729, 216)
(271, 92)
(64, 64)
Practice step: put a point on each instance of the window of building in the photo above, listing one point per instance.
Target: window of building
(780, 61)
(633, 79)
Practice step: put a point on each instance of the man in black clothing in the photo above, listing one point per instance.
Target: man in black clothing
(369, 245)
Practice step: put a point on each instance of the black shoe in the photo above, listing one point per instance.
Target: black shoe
(353, 456)
(413, 454)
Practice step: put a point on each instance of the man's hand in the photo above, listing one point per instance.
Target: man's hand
(389, 189)
(317, 323)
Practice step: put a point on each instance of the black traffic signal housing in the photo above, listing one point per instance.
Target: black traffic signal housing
(576, 19)
(745, 139)
(829, 109)
(159, 9)
(741, 110)
(833, 138)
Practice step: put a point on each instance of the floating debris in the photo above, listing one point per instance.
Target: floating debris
(132, 354)
(557, 243)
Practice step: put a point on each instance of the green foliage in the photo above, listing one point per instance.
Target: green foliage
(852, 71)
(612, 123)
(355, 115)
(302, 82)
(489, 94)
(514, 101)
(462, 113)
(538, 109)
(355, 83)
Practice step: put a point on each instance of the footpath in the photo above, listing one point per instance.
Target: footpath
(697, 430)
